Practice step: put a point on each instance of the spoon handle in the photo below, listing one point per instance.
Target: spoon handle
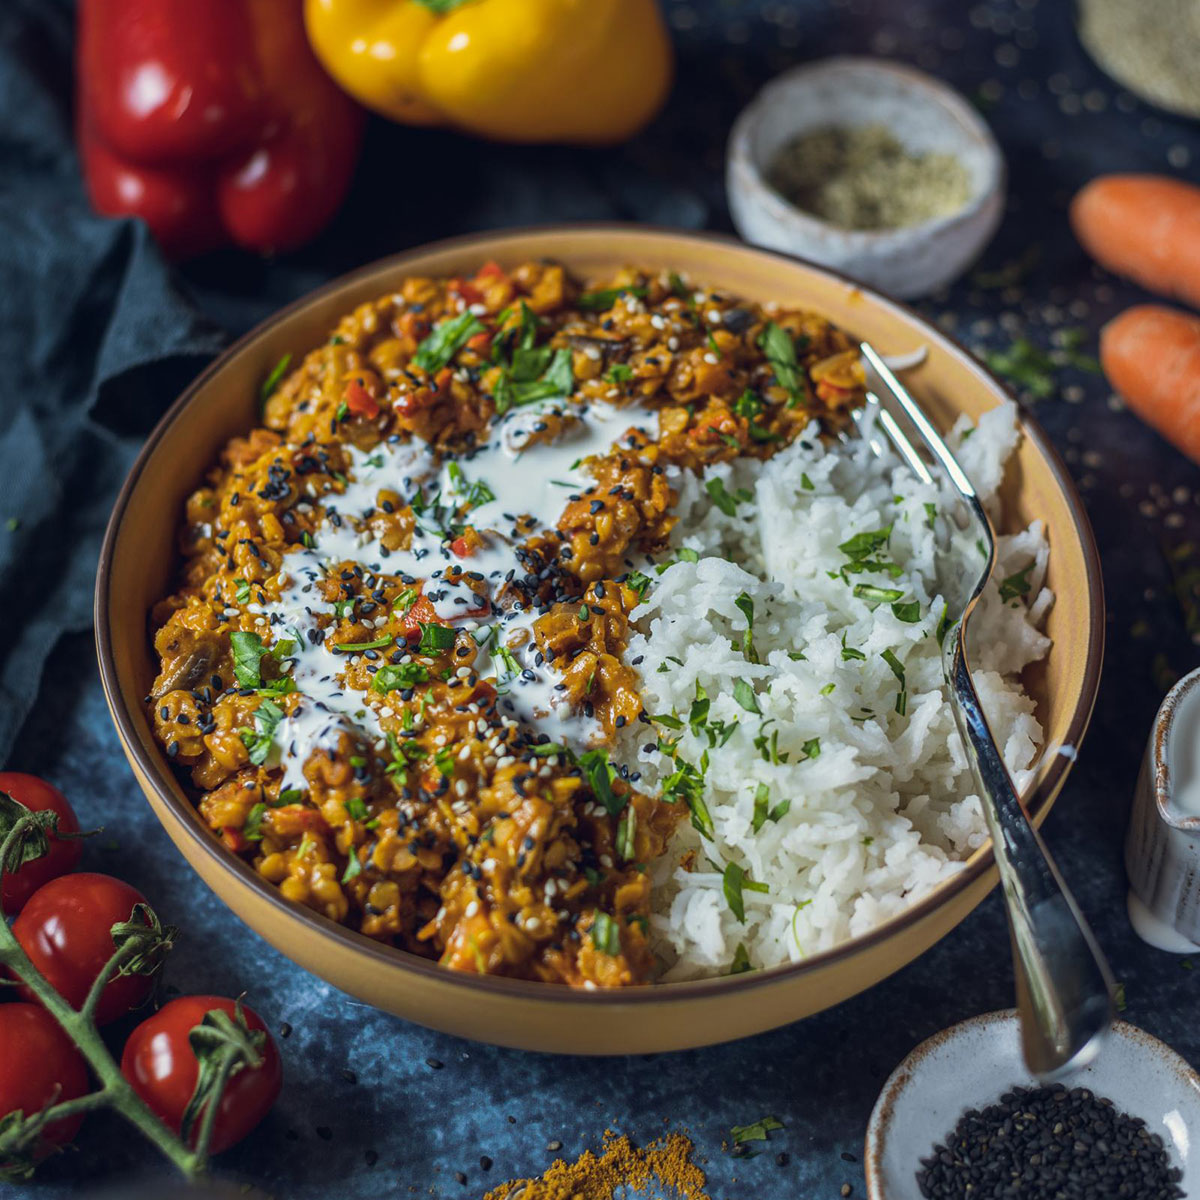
(1064, 987)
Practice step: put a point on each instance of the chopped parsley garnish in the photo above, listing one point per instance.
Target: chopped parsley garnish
(746, 605)
(353, 867)
(604, 298)
(247, 654)
(757, 1132)
(723, 500)
(536, 374)
(907, 610)
(405, 600)
(743, 693)
(748, 404)
(898, 670)
(357, 808)
(877, 595)
(763, 809)
(686, 554)
(598, 772)
(444, 760)
(626, 829)
(863, 545)
(398, 676)
(1016, 584)
(741, 960)
(806, 483)
(606, 934)
(252, 829)
(434, 638)
(735, 881)
(258, 740)
(849, 654)
(619, 373)
(637, 582)
(288, 796)
(776, 343)
(687, 783)
(474, 494)
(944, 624)
(446, 341)
(669, 720)
(274, 379)
(243, 590)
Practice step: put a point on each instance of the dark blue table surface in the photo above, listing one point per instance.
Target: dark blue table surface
(363, 1114)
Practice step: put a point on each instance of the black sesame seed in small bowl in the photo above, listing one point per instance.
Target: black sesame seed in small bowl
(962, 1117)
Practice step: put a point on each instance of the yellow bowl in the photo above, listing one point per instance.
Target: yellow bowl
(138, 559)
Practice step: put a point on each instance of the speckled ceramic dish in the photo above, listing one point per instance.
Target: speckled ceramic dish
(136, 566)
(973, 1064)
(923, 114)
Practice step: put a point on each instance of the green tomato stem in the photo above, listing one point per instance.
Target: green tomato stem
(115, 1091)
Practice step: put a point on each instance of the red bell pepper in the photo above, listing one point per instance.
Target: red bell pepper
(212, 121)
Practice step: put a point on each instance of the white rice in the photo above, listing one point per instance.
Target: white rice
(885, 809)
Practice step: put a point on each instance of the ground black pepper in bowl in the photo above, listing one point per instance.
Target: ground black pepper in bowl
(1049, 1143)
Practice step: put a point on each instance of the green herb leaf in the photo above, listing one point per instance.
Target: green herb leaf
(626, 829)
(619, 373)
(741, 960)
(252, 829)
(259, 739)
(355, 647)
(434, 638)
(1016, 584)
(605, 933)
(274, 379)
(776, 343)
(598, 773)
(398, 676)
(735, 881)
(447, 339)
(863, 545)
(247, 654)
(604, 298)
(762, 801)
(757, 1132)
(909, 611)
(638, 582)
(744, 694)
(877, 595)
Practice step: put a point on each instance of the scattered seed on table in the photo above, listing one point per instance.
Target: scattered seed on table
(371, 1157)
(434, 1064)
(349, 1076)
(1043, 1143)
(554, 1146)
(781, 1159)
(846, 1189)
(285, 1030)
(848, 1157)
(461, 1178)
(485, 1163)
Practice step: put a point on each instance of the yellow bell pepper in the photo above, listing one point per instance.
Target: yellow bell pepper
(581, 71)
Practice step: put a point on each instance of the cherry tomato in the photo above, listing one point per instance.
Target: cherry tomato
(38, 795)
(161, 1066)
(39, 1063)
(66, 929)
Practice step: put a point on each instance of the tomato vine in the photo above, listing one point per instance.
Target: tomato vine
(223, 1045)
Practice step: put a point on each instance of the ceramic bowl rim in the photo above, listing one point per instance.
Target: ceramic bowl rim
(155, 771)
(936, 93)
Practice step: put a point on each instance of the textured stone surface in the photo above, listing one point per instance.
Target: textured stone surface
(1060, 121)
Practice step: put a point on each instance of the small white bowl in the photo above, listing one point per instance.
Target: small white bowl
(923, 115)
(973, 1064)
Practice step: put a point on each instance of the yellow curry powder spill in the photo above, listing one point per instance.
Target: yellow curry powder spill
(665, 1164)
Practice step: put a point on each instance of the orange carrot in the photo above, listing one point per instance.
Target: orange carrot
(1151, 355)
(1146, 227)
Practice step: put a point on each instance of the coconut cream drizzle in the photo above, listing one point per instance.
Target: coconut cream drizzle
(514, 475)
